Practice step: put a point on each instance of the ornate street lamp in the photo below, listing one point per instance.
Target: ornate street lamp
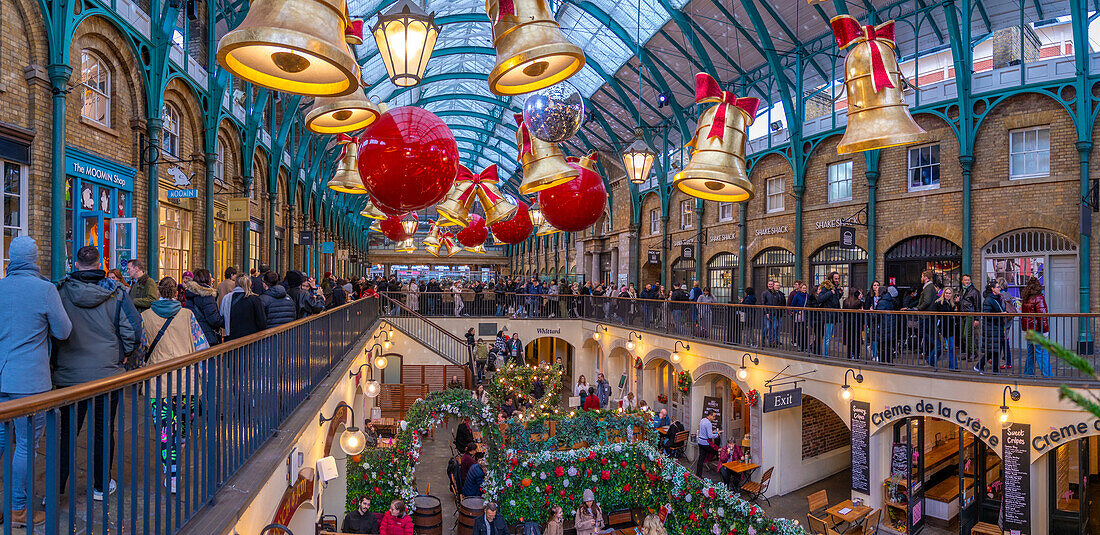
(406, 38)
(638, 159)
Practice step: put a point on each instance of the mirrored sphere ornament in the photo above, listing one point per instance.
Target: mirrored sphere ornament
(554, 114)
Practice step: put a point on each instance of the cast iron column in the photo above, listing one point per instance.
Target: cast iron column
(154, 125)
(966, 161)
(209, 162)
(59, 78)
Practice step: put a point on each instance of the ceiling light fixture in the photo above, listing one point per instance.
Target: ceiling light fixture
(406, 38)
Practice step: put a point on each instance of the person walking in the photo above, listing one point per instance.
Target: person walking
(852, 323)
(202, 302)
(246, 312)
(396, 521)
(31, 313)
(106, 331)
(1033, 302)
(143, 289)
(603, 390)
(927, 324)
(992, 327)
(706, 311)
(828, 300)
(948, 327)
(515, 350)
(412, 296)
(705, 439)
(456, 291)
(279, 308)
(970, 301)
(887, 331)
(225, 287)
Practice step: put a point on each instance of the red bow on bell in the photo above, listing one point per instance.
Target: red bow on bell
(524, 135)
(707, 90)
(484, 181)
(848, 31)
(346, 141)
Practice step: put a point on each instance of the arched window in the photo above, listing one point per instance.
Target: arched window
(721, 273)
(851, 264)
(171, 143)
(773, 264)
(95, 80)
(907, 259)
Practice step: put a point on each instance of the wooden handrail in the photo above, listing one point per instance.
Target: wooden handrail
(71, 394)
(424, 318)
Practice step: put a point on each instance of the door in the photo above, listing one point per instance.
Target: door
(1063, 295)
(916, 478)
(970, 482)
(123, 241)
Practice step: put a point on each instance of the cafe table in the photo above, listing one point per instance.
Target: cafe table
(743, 471)
(852, 515)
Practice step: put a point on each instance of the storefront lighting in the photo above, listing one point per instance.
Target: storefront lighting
(630, 340)
(1005, 414)
(352, 440)
(638, 159)
(406, 38)
(676, 352)
(743, 373)
(846, 390)
(371, 388)
(379, 360)
(600, 329)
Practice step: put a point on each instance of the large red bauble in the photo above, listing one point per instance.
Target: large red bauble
(475, 232)
(575, 205)
(392, 228)
(516, 229)
(408, 159)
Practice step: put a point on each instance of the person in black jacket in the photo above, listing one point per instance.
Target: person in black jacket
(258, 278)
(339, 295)
(490, 523)
(307, 300)
(679, 307)
(246, 313)
(202, 302)
(278, 306)
(463, 436)
(828, 299)
(361, 520)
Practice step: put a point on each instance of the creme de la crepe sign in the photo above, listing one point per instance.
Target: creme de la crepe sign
(939, 410)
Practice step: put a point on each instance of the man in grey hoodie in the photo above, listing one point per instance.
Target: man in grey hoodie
(106, 331)
(30, 313)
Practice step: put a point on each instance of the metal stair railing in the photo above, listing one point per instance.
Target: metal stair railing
(433, 336)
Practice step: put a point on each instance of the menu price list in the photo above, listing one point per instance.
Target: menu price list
(1016, 441)
(861, 438)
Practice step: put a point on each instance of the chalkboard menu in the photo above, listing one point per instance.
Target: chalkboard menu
(1016, 440)
(861, 448)
(899, 460)
(711, 404)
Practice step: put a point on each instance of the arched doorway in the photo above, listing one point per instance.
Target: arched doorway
(660, 390)
(1051, 257)
(391, 375)
(724, 395)
(776, 264)
(1074, 487)
(683, 271)
(851, 264)
(619, 371)
(547, 350)
(906, 260)
(722, 277)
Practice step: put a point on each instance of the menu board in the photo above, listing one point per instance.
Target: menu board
(861, 447)
(712, 404)
(1016, 441)
(899, 460)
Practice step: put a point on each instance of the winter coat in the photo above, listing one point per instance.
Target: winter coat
(246, 316)
(143, 292)
(1036, 304)
(588, 524)
(887, 322)
(360, 523)
(225, 288)
(970, 299)
(279, 308)
(305, 302)
(95, 305)
(603, 391)
(178, 340)
(474, 478)
(202, 301)
(948, 324)
(993, 332)
(927, 296)
(30, 313)
(339, 295)
(396, 526)
(682, 301)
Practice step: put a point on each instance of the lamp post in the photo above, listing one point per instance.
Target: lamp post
(406, 38)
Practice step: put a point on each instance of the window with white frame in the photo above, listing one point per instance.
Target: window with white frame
(924, 167)
(687, 214)
(774, 188)
(14, 208)
(654, 221)
(171, 142)
(725, 211)
(1029, 152)
(95, 81)
(606, 224)
(840, 181)
(219, 161)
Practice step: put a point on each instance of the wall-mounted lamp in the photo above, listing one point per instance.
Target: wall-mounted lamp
(276, 529)
(385, 337)
(352, 440)
(846, 390)
(630, 340)
(1008, 392)
(676, 352)
(380, 361)
(743, 373)
(600, 329)
(371, 388)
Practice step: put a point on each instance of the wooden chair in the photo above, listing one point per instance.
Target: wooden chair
(620, 519)
(679, 442)
(818, 526)
(756, 490)
(818, 501)
(869, 525)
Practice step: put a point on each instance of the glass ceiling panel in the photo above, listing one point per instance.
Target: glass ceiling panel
(465, 34)
(591, 35)
(640, 18)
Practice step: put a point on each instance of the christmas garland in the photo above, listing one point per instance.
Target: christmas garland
(517, 382)
(568, 429)
(684, 381)
(752, 397)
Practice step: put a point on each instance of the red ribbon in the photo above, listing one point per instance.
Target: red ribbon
(485, 181)
(848, 31)
(504, 7)
(346, 141)
(524, 135)
(707, 90)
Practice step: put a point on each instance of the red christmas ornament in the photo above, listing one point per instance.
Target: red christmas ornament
(576, 205)
(516, 229)
(408, 160)
(626, 488)
(393, 229)
(475, 232)
(605, 475)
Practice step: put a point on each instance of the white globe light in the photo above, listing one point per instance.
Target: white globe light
(380, 362)
(386, 344)
(846, 392)
(373, 389)
(743, 374)
(630, 346)
(352, 441)
(595, 336)
(675, 356)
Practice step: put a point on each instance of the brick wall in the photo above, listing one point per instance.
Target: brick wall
(822, 430)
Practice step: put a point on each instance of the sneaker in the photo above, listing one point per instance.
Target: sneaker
(97, 495)
(979, 371)
(19, 518)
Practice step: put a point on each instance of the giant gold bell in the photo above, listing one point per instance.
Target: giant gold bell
(346, 179)
(371, 211)
(532, 53)
(501, 210)
(478, 249)
(455, 207)
(544, 164)
(434, 234)
(406, 246)
(716, 170)
(337, 115)
(294, 46)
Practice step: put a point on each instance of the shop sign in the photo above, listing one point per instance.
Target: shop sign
(683, 241)
(833, 223)
(722, 237)
(941, 411)
(305, 237)
(713, 404)
(254, 225)
(183, 194)
(1065, 433)
(238, 209)
(329, 247)
(861, 446)
(1016, 504)
(87, 166)
(777, 401)
(294, 496)
(342, 254)
(354, 259)
(848, 237)
(687, 251)
(541, 330)
(654, 257)
(767, 231)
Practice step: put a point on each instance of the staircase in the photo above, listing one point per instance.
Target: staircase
(441, 341)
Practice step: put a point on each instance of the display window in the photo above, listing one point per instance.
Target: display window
(851, 264)
(98, 208)
(223, 246)
(906, 260)
(1074, 485)
(255, 237)
(175, 241)
(13, 210)
(721, 274)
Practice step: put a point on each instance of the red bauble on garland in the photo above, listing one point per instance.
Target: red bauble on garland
(475, 232)
(408, 160)
(516, 229)
(393, 228)
(579, 203)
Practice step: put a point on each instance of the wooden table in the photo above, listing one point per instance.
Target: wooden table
(387, 424)
(739, 467)
(386, 442)
(628, 531)
(853, 516)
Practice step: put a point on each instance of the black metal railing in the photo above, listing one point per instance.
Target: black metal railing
(420, 328)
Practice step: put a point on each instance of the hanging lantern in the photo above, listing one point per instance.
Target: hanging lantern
(371, 211)
(375, 226)
(410, 223)
(406, 38)
(532, 53)
(877, 114)
(397, 228)
(638, 159)
(408, 160)
(543, 162)
(577, 204)
(346, 179)
(716, 171)
(406, 246)
(337, 115)
(294, 46)
(535, 213)
(475, 234)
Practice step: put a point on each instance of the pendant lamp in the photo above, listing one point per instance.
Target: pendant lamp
(338, 115)
(294, 46)
(638, 159)
(406, 37)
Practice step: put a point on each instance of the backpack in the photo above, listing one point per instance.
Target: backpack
(531, 528)
(454, 469)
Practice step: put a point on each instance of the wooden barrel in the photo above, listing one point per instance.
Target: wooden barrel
(469, 509)
(427, 515)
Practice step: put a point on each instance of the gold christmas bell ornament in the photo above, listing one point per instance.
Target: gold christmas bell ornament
(406, 246)
(434, 234)
(478, 249)
(544, 164)
(877, 114)
(455, 207)
(346, 179)
(338, 115)
(294, 46)
(532, 53)
(371, 211)
(716, 170)
(546, 229)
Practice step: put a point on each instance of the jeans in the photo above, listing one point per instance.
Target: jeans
(459, 306)
(951, 362)
(825, 339)
(771, 328)
(1037, 352)
(676, 320)
(500, 308)
(23, 450)
(103, 432)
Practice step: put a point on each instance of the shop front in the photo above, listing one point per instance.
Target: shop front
(223, 241)
(906, 260)
(1074, 470)
(776, 264)
(722, 277)
(605, 267)
(683, 268)
(850, 263)
(15, 159)
(176, 218)
(277, 250)
(99, 208)
(1051, 257)
(255, 237)
(651, 270)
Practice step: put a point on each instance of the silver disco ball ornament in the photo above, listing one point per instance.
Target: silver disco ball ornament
(554, 114)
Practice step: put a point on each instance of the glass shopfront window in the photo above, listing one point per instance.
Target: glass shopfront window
(851, 264)
(14, 208)
(175, 241)
(223, 246)
(721, 274)
(905, 261)
(1074, 485)
(773, 264)
(98, 206)
(254, 239)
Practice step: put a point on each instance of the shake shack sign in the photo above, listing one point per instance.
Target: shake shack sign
(777, 401)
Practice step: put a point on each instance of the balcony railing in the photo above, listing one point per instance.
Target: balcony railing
(914, 340)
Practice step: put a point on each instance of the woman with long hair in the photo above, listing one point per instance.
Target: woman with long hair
(1033, 302)
(246, 311)
(948, 327)
(589, 518)
(553, 524)
(993, 327)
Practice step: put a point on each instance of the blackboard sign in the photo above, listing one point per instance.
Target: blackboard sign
(847, 238)
(654, 257)
(899, 461)
(861, 450)
(622, 381)
(777, 401)
(714, 405)
(1016, 442)
(305, 237)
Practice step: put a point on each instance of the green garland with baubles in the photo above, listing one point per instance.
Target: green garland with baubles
(518, 382)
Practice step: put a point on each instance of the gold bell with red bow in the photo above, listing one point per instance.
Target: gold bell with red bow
(434, 233)
(878, 116)
(716, 170)
(532, 52)
(497, 206)
(455, 206)
(544, 164)
(407, 245)
(448, 245)
(346, 179)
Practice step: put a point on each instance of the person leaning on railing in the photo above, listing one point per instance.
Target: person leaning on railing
(992, 327)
